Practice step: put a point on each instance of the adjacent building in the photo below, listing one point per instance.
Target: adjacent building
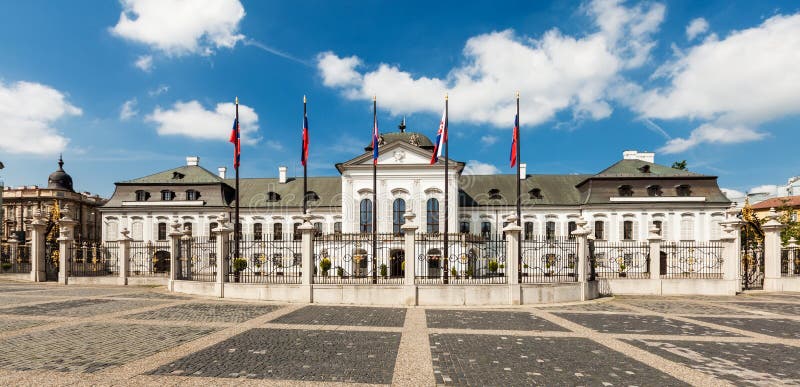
(621, 202)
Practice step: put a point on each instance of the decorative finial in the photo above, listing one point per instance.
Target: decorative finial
(517, 94)
(402, 125)
(445, 96)
(237, 100)
(60, 162)
(374, 98)
(304, 99)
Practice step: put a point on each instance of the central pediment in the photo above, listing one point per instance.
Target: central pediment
(395, 154)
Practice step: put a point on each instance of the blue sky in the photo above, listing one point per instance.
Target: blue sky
(125, 89)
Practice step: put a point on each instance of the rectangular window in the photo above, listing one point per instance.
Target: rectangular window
(211, 227)
(658, 224)
(528, 230)
(571, 226)
(162, 231)
(187, 226)
(296, 232)
(687, 228)
(277, 231)
(599, 230)
(486, 229)
(550, 230)
(337, 227)
(627, 230)
(258, 231)
(463, 227)
(318, 229)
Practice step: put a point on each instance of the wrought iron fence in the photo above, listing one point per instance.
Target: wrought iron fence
(150, 259)
(197, 259)
(470, 259)
(93, 259)
(23, 262)
(551, 259)
(790, 262)
(692, 260)
(349, 259)
(266, 260)
(11, 264)
(627, 259)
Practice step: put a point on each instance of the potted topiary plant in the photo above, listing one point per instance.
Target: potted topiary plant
(548, 272)
(239, 264)
(6, 266)
(384, 270)
(340, 271)
(403, 266)
(453, 272)
(525, 271)
(622, 272)
(492, 265)
(469, 273)
(324, 266)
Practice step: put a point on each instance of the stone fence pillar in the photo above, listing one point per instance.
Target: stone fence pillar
(13, 246)
(37, 252)
(793, 257)
(223, 234)
(512, 231)
(581, 233)
(66, 228)
(124, 256)
(654, 240)
(772, 251)
(175, 250)
(307, 249)
(409, 259)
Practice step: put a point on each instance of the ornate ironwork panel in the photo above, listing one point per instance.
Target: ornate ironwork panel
(266, 260)
(622, 259)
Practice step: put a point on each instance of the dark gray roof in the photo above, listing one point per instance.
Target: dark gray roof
(637, 168)
(553, 189)
(255, 192)
(187, 174)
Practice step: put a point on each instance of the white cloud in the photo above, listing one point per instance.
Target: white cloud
(274, 145)
(27, 113)
(161, 89)
(144, 63)
(733, 195)
(696, 28)
(731, 86)
(179, 27)
(769, 189)
(553, 73)
(191, 119)
(475, 167)
(488, 140)
(128, 110)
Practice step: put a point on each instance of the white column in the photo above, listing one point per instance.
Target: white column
(772, 251)
(66, 228)
(409, 259)
(793, 257)
(222, 234)
(37, 251)
(512, 231)
(124, 256)
(307, 250)
(581, 233)
(654, 240)
(175, 244)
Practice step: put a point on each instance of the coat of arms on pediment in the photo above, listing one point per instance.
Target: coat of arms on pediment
(414, 139)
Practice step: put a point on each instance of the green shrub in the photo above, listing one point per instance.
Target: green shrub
(339, 271)
(493, 265)
(453, 272)
(384, 270)
(239, 264)
(325, 265)
(6, 266)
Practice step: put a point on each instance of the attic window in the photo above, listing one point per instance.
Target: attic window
(141, 196)
(644, 169)
(535, 193)
(683, 190)
(178, 175)
(167, 195)
(494, 193)
(312, 196)
(625, 190)
(273, 196)
(654, 190)
(192, 194)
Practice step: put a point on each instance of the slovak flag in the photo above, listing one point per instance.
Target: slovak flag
(514, 141)
(235, 140)
(304, 155)
(441, 138)
(375, 140)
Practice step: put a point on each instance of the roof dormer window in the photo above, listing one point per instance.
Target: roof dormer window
(494, 193)
(192, 194)
(312, 196)
(654, 190)
(167, 195)
(683, 190)
(141, 196)
(177, 175)
(644, 169)
(273, 196)
(535, 193)
(625, 190)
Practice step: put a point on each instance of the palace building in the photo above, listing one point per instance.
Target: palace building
(620, 202)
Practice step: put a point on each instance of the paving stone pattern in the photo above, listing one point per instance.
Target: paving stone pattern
(15, 298)
(152, 295)
(90, 347)
(11, 324)
(262, 353)
(210, 312)
(490, 360)
(683, 308)
(640, 324)
(784, 308)
(345, 315)
(488, 319)
(78, 308)
(788, 329)
(741, 363)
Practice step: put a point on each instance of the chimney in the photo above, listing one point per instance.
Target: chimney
(636, 155)
(282, 174)
(222, 171)
(192, 161)
(523, 171)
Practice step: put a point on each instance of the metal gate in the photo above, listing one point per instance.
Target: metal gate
(752, 250)
(51, 260)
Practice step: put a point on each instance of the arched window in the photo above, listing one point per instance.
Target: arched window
(258, 231)
(365, 219)
(141, 196)
(312, 196)
(683, 190)
(528, 230)
(654, 190)
(211, 227)
(599, 230)
(398, 210)
(571, 226)
(687, 228)
(625, 190)
(192, 194)
(486, 229)
(463, 227)
(277, 231)
(433, 215)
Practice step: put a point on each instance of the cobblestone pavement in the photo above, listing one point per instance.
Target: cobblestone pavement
(95, 335)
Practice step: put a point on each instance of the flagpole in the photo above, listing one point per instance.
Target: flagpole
(519, 197)
(305, 162)
(446, 256)
(374, 192)
(236, 225)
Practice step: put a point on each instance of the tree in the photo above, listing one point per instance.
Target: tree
(680, 165)
(785, 216)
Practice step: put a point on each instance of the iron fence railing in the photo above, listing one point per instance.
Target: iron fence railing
(92, 259)
(266, 260)
(470, 259)
(349, 258)
(692, 260)
(552, 259)
(22, 263)
(149, 259)
(197, 259)
(790, 262)
(627, 259)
